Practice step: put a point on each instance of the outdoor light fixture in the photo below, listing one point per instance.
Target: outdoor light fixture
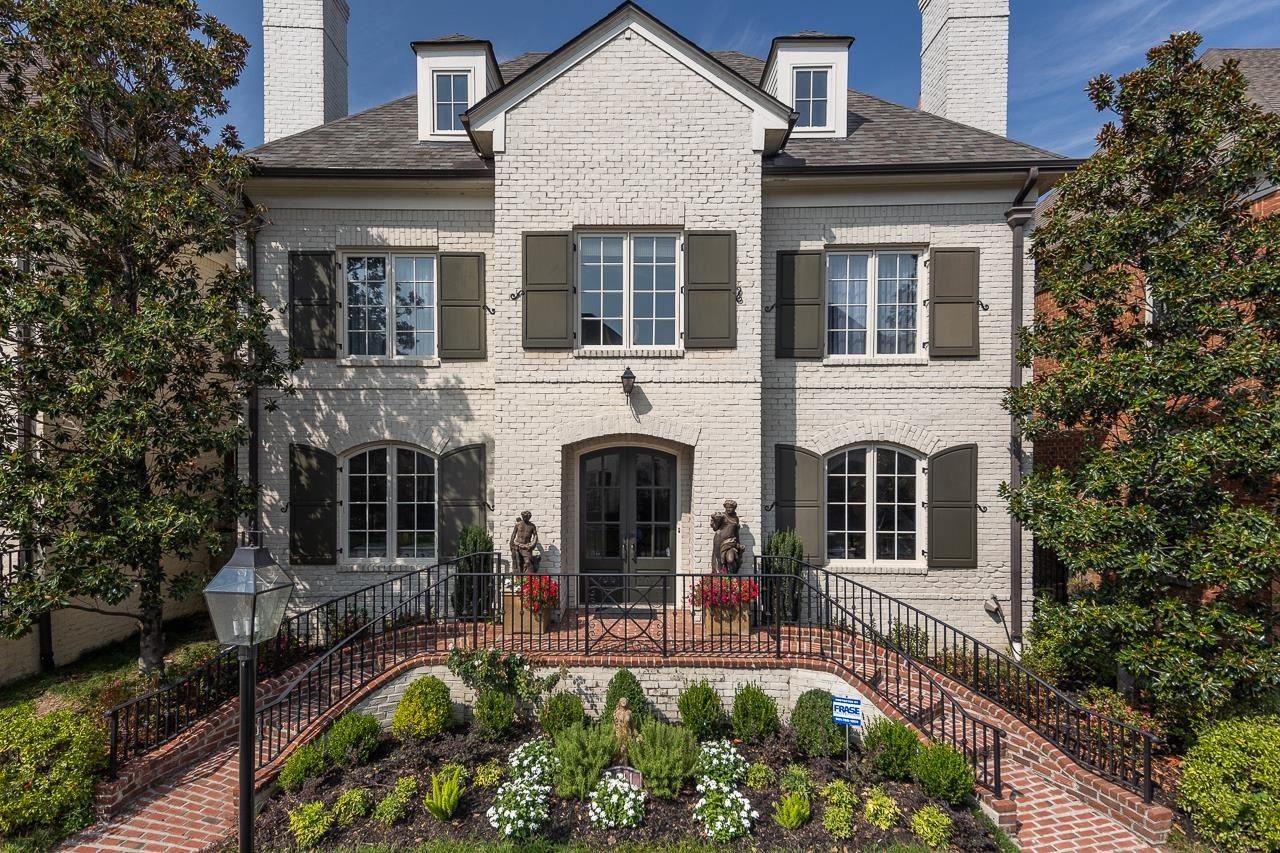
(628, 382)
(246, 600)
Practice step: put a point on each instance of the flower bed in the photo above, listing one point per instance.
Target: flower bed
(515, 790)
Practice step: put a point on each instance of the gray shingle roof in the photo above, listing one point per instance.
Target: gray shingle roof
(882, 135)
(1261, 68)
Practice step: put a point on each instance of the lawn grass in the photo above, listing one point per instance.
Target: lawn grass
(109, 675)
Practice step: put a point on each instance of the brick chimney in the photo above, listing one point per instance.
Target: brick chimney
(964, 61)
(304, 53)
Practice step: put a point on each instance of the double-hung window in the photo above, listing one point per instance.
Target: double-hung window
(391, 504)
(391, 305)
(627, 288)
(873, 303)
(451, 88)
(811, 97)
(872, 495)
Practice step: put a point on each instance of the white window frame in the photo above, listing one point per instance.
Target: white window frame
(435, 111)
(870, 530)
(872, 353)
(628, 318)
(344, 497)
(826, 97)
(390, 355)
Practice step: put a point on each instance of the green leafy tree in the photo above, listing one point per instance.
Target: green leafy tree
(122, 347)
(1165, 360)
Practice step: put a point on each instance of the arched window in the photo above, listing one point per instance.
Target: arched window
(872, 504)
(391, 503)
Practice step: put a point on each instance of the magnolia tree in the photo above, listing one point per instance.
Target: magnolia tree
(129, 343)
(1164, 359)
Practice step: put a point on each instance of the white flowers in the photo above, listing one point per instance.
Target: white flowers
(520, 807)
(616, 803)
(724, 812)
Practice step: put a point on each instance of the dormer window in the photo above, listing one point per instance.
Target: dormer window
(451, 88)
(811, 97)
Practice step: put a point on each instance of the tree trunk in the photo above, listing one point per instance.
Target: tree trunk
(151, 627)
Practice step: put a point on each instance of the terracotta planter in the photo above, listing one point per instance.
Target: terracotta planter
(517, 619)
(725, 622)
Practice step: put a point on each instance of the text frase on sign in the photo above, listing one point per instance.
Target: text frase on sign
(846, 711)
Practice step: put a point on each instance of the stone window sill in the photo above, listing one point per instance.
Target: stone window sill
(633, 352)
(914, 568)
(873, 360)
(387, 361)
(391, 565)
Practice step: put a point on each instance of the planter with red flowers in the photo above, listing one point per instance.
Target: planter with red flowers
(725, 602)
(529, 603)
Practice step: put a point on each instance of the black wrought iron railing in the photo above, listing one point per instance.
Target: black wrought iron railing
(1110, 748)
(146, 722)
(627, 613)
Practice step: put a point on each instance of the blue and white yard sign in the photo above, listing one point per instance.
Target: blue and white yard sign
(847, 711)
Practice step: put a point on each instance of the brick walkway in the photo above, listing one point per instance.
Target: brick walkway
(193, 811)
(196, 810)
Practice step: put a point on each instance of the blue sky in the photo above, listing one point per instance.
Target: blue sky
(1055, 45)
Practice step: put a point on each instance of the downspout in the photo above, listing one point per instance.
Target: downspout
(1017, 216)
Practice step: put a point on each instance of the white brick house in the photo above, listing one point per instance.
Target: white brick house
(814, 288)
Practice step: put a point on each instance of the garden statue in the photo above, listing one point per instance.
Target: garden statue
(525, 549)
(622, 729)
(726, 549)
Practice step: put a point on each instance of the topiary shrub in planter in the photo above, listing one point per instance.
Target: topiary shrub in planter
(755, 714)
(353, 738)
(665, 756)
(306, 763)
(561, 711)
(495, 714)
(892, 746)
(943, 773)
(473, 594)
(425, 710)
(624, 683)
(701, 710)
(1231, 784)
(48, 767)
(816, 734)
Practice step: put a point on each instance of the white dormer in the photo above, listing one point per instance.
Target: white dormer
(810, 71)
(454, 72)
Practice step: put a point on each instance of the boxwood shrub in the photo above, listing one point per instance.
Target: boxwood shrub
(816, 734)
(892, 747)
(425, 710)
(48, 767)
(755, 714)
(701, 710)
(353, 738)
(561, 711)
(624, 683)
(1231, 784)
(943, 773)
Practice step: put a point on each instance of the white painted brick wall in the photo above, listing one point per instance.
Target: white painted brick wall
(964, 61)
(304, 53)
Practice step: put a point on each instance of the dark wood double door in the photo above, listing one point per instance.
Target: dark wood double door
(627, 527)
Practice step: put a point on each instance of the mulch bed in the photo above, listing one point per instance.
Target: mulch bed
(665, 822)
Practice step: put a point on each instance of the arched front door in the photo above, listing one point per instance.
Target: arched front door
(627, 524)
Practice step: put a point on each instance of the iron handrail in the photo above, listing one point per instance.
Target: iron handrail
(168, 710)
(1131, 771)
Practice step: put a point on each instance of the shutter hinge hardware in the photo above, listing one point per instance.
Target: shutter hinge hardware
(984, 306)
(737, 296)
(490, 310)
(514, 296)
(770, 507)
(981, 507)
(768, 309)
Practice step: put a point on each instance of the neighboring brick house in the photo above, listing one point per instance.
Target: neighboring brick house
(1261, 68)
(814, 289)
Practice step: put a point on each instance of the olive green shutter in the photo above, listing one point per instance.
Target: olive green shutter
(462, 497)
(313, 304)
(799, 496)
(953, 508)
(313, 506)
(710, 283)
(548, 291)
(953, 303)
(800, 305)
(462, 316)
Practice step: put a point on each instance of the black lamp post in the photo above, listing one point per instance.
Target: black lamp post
(628, 382)
(247, 599)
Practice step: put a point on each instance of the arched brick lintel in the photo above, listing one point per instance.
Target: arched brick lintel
(625, 424)
(883, 430)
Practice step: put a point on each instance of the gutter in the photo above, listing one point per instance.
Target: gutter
(1018, 216)
(1045, 166)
